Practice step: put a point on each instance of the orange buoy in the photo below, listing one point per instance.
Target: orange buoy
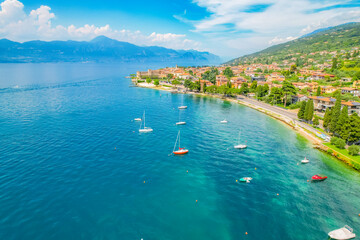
(255, 168)
(196, 200)
(277, 194)
(236, 180)
(144, 181)
(246, 233)
(187, 171)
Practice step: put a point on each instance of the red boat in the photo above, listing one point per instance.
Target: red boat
(318, 177)
(181, 151)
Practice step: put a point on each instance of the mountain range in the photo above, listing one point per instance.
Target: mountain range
(100, 49)
(342, 37)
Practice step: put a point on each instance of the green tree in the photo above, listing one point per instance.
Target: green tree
(148, 80)
(352, 128)
(318, 91)
(244, 88)
(289, 90)
(342, 120)
(316, 121)
(188, 84)
(253, 86)
(301, 111)
(335, 114)
(228, 72)
(293, 69)
(170, 76)
(327, 119)
(210, 75)
(175, 82)
(276, 95)
(156, 82)
(211, 89)
(354, 150)
(309, 110)
(334, 64)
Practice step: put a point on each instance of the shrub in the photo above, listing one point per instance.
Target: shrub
(333, 140)
(354, 150)
(340, 143)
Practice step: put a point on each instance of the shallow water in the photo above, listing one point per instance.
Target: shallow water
(62, 178)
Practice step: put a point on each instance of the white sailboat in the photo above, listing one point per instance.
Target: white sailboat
(305, 160)
(240, 146)
(180, 122)
(180, 151)
(182, 107)
(224, 121)
(144, 129)
(137, 119)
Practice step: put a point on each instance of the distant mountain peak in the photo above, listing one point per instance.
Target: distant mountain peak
(103, 38)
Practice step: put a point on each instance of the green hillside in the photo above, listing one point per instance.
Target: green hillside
(343, 37)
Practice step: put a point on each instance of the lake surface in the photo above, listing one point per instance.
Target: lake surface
(73, 164)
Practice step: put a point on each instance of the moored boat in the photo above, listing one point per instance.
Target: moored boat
(224, 121)
(245, 179)
(182, 107)
(144, 129)
(137, 119)
(180, 151)
(318, 177)
(305, 160)
(342, 233)
(240, 146)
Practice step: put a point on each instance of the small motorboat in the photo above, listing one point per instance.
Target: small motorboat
(137, 119)
(305, 160)
(245, 179)
(342, 233)
(318, 177)
(224, 121)
(180, 123)
(182, 107)
(240, 146)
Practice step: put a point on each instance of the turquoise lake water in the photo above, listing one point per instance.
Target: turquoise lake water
(62, 178)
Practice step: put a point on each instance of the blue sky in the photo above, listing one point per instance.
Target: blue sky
(228, 28)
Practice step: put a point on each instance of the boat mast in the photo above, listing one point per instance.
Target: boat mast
(144, 119)
(179, 139)
(176, 141)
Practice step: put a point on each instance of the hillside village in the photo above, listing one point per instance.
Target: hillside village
(320, 83)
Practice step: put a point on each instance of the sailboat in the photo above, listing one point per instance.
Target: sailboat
(305, 160)
(224, 121)
(240, 146)
(181, 151)
(180, 122)
(144, 129)
(182, 107)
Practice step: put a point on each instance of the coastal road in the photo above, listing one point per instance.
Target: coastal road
(278, 110)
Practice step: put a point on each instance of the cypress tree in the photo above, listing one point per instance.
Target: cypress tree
(301, 111)
(318, 91)
(335, 114)
(342, 120)
(327, 119)
(309, 110)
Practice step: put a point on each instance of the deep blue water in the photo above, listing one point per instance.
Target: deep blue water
(73, 165)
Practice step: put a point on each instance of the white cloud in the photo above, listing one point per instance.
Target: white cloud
(272, 25)
(16, 25)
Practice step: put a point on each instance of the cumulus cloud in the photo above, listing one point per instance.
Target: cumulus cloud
(17, 25)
